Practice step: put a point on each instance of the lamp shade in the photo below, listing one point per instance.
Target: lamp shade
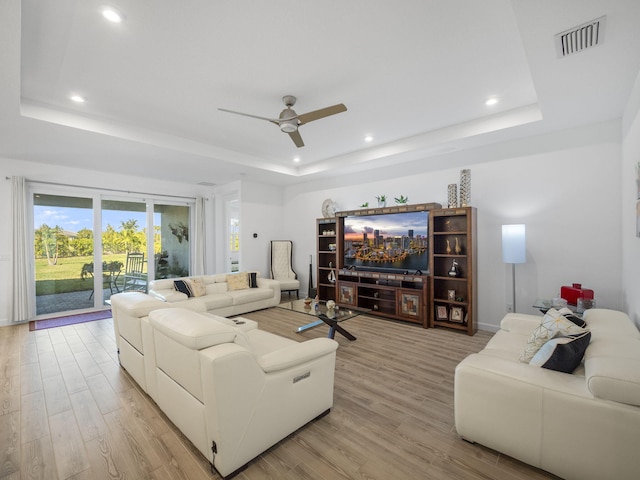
(513, 244)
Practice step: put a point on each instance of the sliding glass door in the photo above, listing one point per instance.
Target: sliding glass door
(63, 251)
(87, 248)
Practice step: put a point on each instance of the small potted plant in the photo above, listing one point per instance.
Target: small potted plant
(364, 205)
(382, 200)
(401, 200)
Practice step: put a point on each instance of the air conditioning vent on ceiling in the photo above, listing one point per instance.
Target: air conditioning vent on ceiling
(580, 38)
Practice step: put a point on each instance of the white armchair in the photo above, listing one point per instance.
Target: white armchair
(236, 393)
(281, 268)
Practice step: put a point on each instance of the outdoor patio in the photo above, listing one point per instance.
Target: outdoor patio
(62, 302)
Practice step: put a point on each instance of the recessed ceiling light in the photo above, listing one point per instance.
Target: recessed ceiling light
(491, 101)
(368, 138)
(296, 159)
(112, 15)
(77, 98)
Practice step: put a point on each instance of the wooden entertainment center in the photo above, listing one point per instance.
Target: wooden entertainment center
(436, 297)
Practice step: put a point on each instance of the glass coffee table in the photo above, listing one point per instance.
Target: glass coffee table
(323, 316)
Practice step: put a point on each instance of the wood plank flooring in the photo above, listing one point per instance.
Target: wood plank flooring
(68, 411)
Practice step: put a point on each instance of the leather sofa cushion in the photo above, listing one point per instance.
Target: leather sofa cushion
(191, 329)
(610, 323)
(216, 301)
(138, 304)
(249, 295)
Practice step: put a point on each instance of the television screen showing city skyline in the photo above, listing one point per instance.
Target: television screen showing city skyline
(391, 241)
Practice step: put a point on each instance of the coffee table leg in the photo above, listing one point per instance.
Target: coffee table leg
(303, 328)
(334, 327)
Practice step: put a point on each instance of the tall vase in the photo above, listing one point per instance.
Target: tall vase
(452, 191)
(465, 187)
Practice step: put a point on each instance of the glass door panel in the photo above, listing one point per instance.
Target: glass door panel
(124, 240)
(171, 246)
(63, 248)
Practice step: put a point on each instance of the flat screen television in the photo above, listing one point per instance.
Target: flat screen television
(390, 242)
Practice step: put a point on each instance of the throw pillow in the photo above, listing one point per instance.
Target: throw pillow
(237, 281)
(253, 279)
(197, 286)
(552, 324)
(183, 287)
(569, 315)
(563, 354)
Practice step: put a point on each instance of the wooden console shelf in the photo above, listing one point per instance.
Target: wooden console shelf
(326, 261)
(452, 240)
(402, 297)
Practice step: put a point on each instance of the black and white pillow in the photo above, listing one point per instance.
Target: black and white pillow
(569, 315)
(183, 287)
(253, 279)
(562, 354)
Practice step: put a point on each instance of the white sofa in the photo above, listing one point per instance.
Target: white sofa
(219, 298)
(584, 425)
(232, 389)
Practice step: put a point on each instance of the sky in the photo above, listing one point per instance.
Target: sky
(75, 219)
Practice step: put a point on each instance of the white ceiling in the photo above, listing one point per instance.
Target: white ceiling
(414, 74)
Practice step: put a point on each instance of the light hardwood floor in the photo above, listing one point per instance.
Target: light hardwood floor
(68, 411)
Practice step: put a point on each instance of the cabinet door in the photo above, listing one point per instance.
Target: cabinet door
(347, 293)
(411, 305)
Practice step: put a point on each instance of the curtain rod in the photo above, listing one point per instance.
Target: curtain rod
(107, 189)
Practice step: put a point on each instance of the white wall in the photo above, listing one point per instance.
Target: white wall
(629, 201)
(73, 176)
(260, 215)
(564, 186)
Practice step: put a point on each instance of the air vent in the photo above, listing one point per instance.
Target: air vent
(580, 38)
(207, 184)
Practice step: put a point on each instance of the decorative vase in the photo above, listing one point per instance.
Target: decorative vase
(331, 277)
(457, 248)
(452, 191)
(454, 271)
(465, 187)
(448, 249)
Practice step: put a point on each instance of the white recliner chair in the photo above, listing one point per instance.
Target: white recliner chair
(281, 266)
(236, 393)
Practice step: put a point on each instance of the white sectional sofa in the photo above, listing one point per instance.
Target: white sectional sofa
(222, 295)
(232, 389)
(581, 425)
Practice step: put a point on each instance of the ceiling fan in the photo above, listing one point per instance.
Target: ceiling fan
(289, 120)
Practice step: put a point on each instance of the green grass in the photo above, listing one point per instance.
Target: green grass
(65, 276)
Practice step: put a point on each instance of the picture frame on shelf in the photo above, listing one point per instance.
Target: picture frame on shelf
(409, 304)
(442, 313)
(456, 315)
(451, 295)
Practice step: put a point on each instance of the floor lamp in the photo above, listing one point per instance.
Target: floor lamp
(513, 250)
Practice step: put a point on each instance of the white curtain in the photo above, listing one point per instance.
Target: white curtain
(21, 288)
(199, 260)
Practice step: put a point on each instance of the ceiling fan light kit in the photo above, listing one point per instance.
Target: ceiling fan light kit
(289, 120)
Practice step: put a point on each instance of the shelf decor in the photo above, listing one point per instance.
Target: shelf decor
(465, 187)
(452, 195)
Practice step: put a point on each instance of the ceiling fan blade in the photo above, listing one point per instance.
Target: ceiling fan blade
(297, 139)
(252, 116)
(323, 112)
